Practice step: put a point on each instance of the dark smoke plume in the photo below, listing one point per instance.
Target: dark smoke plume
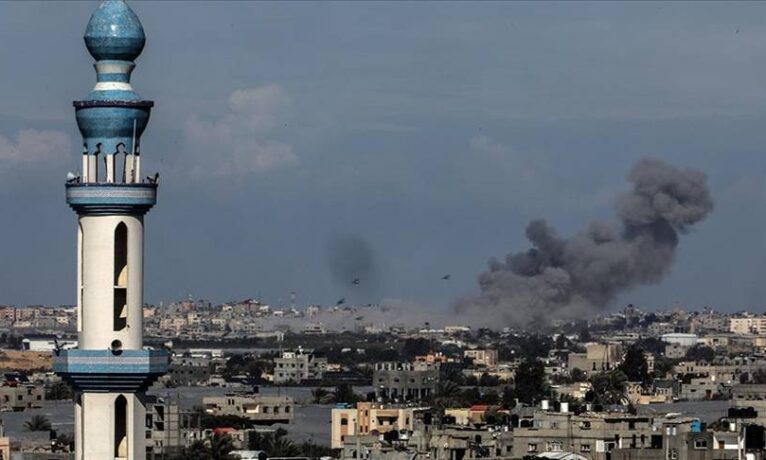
(349, 258)
(561, 278)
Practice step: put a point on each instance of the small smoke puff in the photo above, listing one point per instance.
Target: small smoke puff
(565, 278)
(350, 257)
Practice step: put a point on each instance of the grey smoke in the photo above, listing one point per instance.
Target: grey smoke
(350, 257)
(564, 278)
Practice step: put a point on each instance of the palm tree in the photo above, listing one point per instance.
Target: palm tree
(608, 388)
(197, 450)
(221, 446)
(283, 447)
(448, 394)
(320, 395)
(38, 423)
(58, 391)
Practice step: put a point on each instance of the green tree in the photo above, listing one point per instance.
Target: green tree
(38, 423)
(216, 447)
(221, 447)
(344, 393)
(320, 396)
(578, 375)
(608, 388)
(448, 394)
(283, 447)
(197, 450)
(700, 353)
(58, 391)
(530, 384)
(415, 347)
(487, 380)
(634, 365)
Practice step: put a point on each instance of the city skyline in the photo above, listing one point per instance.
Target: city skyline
(431, 132)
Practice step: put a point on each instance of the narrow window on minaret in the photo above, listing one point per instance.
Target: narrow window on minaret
(80, 276)
(120, 428)
(120, 277)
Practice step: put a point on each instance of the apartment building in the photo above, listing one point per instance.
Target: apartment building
(482, 357)
(20, 396)
(399, 382)
(187, 371)
(261, 409)
(298, 366)
(598, 357)
(592, 435)
(169, 428)
(369, 417)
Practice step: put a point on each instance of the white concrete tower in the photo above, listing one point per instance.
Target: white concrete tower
(110, 371)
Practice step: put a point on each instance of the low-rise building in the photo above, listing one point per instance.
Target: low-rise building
(369, 418)
(298, 366)
(170, 428)
(482, 357)
(18, 397)
(598, 357)
(399, 382)
(259, 408)
(187, 371)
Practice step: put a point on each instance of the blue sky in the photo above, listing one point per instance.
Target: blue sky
(433, 131)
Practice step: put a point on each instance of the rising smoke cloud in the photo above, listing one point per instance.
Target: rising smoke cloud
(351, 257)
(561, 278)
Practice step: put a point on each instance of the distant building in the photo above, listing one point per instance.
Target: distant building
(592, 435)
(46, 343)
(368, 417)
(256, 407)
(187, 371)
(687, 340)
(298, 366)
(598, 357)
(401, 382)
(748, 325)
(171, 428)
(482, 357)
(19, 397)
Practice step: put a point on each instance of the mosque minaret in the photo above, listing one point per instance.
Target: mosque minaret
(110, 370)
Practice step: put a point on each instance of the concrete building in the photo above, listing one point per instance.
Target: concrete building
(592, 435)
(748, 325)
(482, 357)
(21, 396)
(298, 366)
(258, 408)
(111, 370)
(46, 343)
(187, 371)
(686, 340)
(367, 418)
(598, 357)
(399, 382)
(172, 428)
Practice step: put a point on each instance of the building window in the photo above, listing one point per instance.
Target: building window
(553, 446)
(585, 448)
(531, 447)
(700, 443)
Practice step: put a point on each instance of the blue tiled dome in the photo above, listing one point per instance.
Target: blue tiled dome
(114, 32)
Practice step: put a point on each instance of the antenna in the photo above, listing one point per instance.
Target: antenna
(133, 154)
(133, 145)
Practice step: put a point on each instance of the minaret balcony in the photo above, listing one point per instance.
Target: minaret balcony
(111, 198)
(109, 370)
